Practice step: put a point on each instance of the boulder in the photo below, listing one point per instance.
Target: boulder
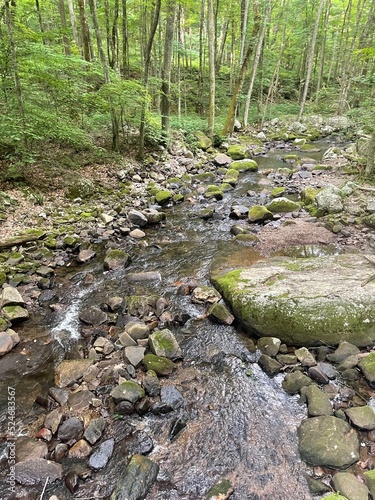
(70, 429)
(163, 197)
(204, 142)
(349, 486)
(245, 165)
(293, 382)
(344, 350)
(71, 370)
(304, 302)
(154, 216)
(115, 259)
(37, 471)
(137, 479)
(93, 316)
(127, 391)
(318, 403)
(238, 152)
(329, 200)
(7, 342)
(15, 314)
(328, 441)
(164, 343)
(259, 213)
(362, 417)
(221, 160)
(10, 296)
(282, 204)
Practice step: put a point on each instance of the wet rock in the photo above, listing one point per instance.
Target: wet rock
(70, 429)
(134, 355)
(81, 449)
(163, 343)
(328, 370)
(93, 316)
(269, 346)
(151, 384)
(115, 303)
(367, 365)
(124, 408)
(231, 177)
(344, 350)
(71, 481)
(177, 426)
(220, 491)
(85, 255)
(269, 365)
(219, 313)
(52, 420)
(318, 403)
(349, 486)
(137, 218)
(286, 359)
(36, 471)
(362, 417)
(222, 159)
(237, 229)
(318, 375)
(238, 212)
(59, 395)
(145, 276)
(154, 216)
(45, 272)
(238, 152)
(102, 455)
(328, 441)
(29, 449)
(305, 357)
(94, 430)
(115, 259)
(205, 295)
(60, 452)
(259, 213)
(70, 371)
(137, 480)
(317, 487)
(159, 364)
(127, 391)
(163, 197)
(44, 434)
(171, 399)
(348, 363)
(293, 382)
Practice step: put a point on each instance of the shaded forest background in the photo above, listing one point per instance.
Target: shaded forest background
(128, 74)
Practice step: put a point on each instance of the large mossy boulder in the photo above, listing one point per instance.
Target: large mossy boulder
(245, 165)
(136, 480)
(282, 205)
(328, 441)
(164, 343)
(204, 142)
(238, 151)
(305, 302)
(259, 213)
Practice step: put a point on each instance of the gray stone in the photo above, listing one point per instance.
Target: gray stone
(151, 384)
(362, 417)
(349, 486)
(328, 441)
(137, 480)
(70, 371)
(303, 302)
(369, 477)
(163, 343)
(59, 395)
(159, 364)
(171, 399)
(6, 343)
(348, 363)
(282, 204)
(293, 382)
(137, 330)
(70, 429)
(103, 345)
(94, 430)
(222, 159)
(219, 313)
(344, 350)
(126, 340)
(15, 314)
(116, 259)
(154, 216)
(269, 365)
(37, 471)
(137, 218)
(10, 296)
(318, 403)
(85, 255)
(205, 295)
(52, 420)
(269, 346)
(134, 355)
(318, 375)
(305, 357)
(367, 365)
(80, 449)
(80, 401)
(102, 455)
(29, 449)
(329, 199)
(127, 391)
(93, 316)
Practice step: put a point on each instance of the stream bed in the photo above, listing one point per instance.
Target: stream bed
(237, 422)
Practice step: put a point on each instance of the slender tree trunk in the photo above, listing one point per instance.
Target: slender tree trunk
(103, 60)
(108, 33)
(84, 31)
(73, 22)
(220, 52)
(370, 166)
(256, 63)
(244, 17)
(199, 105)
(40, 20)
(211, 62)
(166, 69)
(311, 59)
(65, 38)
(115, 44)
(229, 123)
(142, 128)
(323, 50)
(125, 42)
(16, 77)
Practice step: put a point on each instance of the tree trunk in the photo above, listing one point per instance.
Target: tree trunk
(211, 62)
(125, 42)
(223, 38)
(16, 77)
(65, 38)
(311, 59)
(323, 50)
(229, 123)
(370, 166)
(166, 69)
(40, 20)
(103, 60)
(84, 31)
(115, 51)
(244, 17)
(73, 21)
(154, 25)
(199, 104)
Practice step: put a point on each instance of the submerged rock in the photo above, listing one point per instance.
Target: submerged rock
(304, 302)
(137, 479)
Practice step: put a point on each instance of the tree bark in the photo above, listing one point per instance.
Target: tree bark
(211, 63)
(370, 164)
(125, 42)
(73, 21)
(229, 123)
(142, 128)
(310, 59)
(40, 20)
(65, 38)
(166, 69)
(84, 31)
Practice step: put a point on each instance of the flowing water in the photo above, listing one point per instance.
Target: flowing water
(239, 423)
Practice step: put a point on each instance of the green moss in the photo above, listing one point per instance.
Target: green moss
(3, 278)
(231, 177)
(213, 191)
(221, 490)
(308, 195)
(259, 213)
(278, 191)
(3, 325)
(238, 152)
(290, 157)
(206, 176)
(245, 165)
(282, 205)
(226, 187)
(163, 197)
(159, 364)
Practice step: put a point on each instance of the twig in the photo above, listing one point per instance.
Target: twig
(372, 190)
(370, 259)
(44, 489)
(367, 280)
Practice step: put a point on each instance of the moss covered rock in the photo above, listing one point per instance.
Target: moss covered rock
(238, 152)
(367, 365)
(115, 259)
(159, 364)
(164, 343)
(308, 195)
(213, 192)
(231, 177)
(277, 192)
(305, 301)
(204, 142)
(259, 213)
(282, 205)
(137, 479)
(245, 165)
(127, 391)
(163, 197)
